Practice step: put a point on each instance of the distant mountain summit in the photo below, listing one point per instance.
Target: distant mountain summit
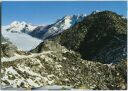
(58, 27)
(23, 27)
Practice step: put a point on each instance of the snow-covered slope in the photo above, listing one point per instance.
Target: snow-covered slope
(17, 26)
(59, 26)
(22, 34)
(63, 24)
(21, 40)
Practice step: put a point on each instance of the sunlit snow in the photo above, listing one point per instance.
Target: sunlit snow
(21, 40)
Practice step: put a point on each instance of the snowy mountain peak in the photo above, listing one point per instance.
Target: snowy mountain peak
(18, 26)
(68, 21)
(15, 23)
(62, 24)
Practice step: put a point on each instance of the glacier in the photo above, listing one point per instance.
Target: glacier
(22, 41)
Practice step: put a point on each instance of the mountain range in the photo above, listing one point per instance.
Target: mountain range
(32, 35)
(44, 32)
(87, 53)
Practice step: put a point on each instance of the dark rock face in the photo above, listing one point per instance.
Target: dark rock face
(4, 39)
(114, 51)
(6, 47)
(107, 31)
(7, 50)
(97, 36)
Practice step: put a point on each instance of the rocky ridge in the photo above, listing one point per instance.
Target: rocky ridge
(101, 36)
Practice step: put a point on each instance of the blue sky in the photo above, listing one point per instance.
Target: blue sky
(47, 12)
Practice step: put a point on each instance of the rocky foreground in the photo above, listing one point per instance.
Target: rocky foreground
(62, 67)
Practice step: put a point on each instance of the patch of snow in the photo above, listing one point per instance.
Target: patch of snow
(28, 70)
(11, 70)
(64, 58)
(4, 43)
(32, 83)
